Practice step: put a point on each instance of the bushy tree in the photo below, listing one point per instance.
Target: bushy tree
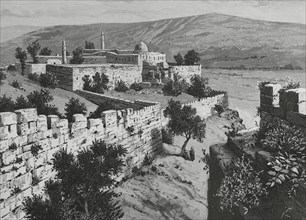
(191, 58)
(82, 189)
(184, 121)
(46, 51)
(6, 104)
(48, 80)
(21, 103)
(2, 77)
(167, 136)
(136, 86)
(121, 87)
(21, 55)
(172, 88)
(89, 45)
(199, 87)
(40, 100)
(241, 186)
(98, 84)
(179, 59)
(74, 106)
(77, 56)
(33, 49)
(87, 83)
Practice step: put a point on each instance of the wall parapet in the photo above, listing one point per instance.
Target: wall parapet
(23, 129)
(287, 105)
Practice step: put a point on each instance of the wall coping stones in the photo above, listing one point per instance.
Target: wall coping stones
(7, 118)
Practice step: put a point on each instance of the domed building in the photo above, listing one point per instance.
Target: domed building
(141, 48)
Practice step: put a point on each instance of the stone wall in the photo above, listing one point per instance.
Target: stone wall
(185, 72)
(38, 68)
(94, 59)
(115, 72)
(204, 106)
(23, 174)
(286, 106)
(112, 57)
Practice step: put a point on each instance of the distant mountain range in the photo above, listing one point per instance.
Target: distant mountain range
(11, 32)
(222, 40)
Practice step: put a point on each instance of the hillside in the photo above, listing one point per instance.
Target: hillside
(61, 97)
(11, 32)
(222, 40)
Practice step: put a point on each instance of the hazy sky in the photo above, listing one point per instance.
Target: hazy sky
(57, 12)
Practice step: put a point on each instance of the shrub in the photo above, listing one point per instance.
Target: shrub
(34, 77)
(16, 84)
(13, 146)
(147, 160)
(262, 84)
(19, 160)
(199, 87)
(7, 104)
(21, 103)
(167, 136)
(289, 145)
(172, 88)
(2, 77)
(136, 86)
(35, 148)
(219, 109)
(16, 190)
(130, 129)
(291, 84)
(241, 186)
(48, 80)
(87, 83)
(74, 106)
(77, 56)
(98, 84)
(121, 87)
(46, 51)
(11, 68)
(83, 184)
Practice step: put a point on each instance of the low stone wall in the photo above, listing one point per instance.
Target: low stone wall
(185, 72)
(205, 106)
(23, 174)
(94, 59)
(39, 68)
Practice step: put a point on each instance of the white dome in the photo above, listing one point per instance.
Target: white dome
(141, 47)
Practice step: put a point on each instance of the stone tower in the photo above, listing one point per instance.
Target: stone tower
(64, 53)
(102, 40)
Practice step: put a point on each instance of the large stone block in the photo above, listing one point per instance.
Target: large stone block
(271, 89)
(26, 115)
(52, 121)
(94, 122)
(297, 118)
(8, 157)
(296, 95)
(109, 117)
(7, 118)
(63, 123)
(23, 129)
(78, 117)
(4, 145)
(42, 123)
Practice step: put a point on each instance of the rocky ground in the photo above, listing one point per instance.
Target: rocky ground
(171, 187)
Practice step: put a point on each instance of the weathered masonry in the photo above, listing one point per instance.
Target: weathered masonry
(137, 128)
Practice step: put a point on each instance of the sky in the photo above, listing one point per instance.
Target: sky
(59, 12)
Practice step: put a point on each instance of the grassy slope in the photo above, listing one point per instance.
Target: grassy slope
(11, 32)
(217, 37)
(60, 96)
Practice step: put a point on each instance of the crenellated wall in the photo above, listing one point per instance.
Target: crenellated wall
(23, 174)
(284, 106)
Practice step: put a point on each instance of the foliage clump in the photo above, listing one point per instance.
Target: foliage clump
(45, 51)
(89, 45)
(33, 49)
(21, 55)
(2, 77)
(35, 148)
(199, 87)
(16, 84)
(121, 86)
(97, 84)
(48, 80)
(183, 120)
(167, 136)
(288, 143)
(241, 186)
(172, 88)
(136, 86)
(77, 56)
(74, 106)
(82, 188)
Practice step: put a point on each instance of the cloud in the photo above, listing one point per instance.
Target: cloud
(21, 14)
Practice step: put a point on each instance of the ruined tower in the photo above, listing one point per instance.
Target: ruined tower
(102, 40)
(64, 53)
